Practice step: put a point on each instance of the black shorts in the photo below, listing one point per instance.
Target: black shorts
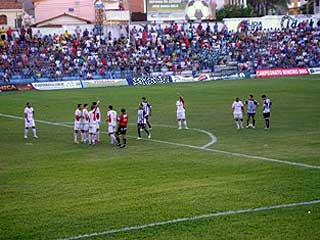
(251, 115)
(141, 125)
(266, 115)
(122, 130)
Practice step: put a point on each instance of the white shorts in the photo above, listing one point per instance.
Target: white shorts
(93, 128)
(181, 115)
(237, 115)
(77, 126)
(111, 129)
(29, 124)
(85, 127)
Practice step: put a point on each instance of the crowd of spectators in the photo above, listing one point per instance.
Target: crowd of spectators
(143, 51)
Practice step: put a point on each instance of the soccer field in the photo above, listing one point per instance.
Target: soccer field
(181, 184)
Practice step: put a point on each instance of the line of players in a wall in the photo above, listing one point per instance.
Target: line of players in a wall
(87, 123)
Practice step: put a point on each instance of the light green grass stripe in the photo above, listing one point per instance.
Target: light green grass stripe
(203, 148)
(187, 219)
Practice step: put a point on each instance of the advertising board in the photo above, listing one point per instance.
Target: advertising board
(57, 85)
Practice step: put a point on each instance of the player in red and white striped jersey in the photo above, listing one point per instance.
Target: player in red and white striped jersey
(77, 122)
(112, 123)
(93, 124)
(181, 112)
(98, 117)
(85, 123)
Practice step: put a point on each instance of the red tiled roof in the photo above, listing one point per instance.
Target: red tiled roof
(7, 4)
(63, 14)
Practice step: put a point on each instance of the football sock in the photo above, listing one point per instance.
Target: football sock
(75, 135)
(34, 131)
(25, 132)
(146, 131)
(90, 138)
(118, 140)
(185, 123)
(98, 136)
(237, 124)
(112, 139)
(254, 122)
(248, 122)
(124, 141)
(267, 123)
(148, 124)
(241, 123)
(82, 136)
(139, 134)
(179, 124)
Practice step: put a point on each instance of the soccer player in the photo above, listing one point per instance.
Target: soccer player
(93, 124)
(147, 109)
(141, 122)
(122, 128)
(29, 121)
(237, 108)
(112, 123)
(77, 122)
(98, 116)
(181, 112)
(252, 105)
(85, 126)
(266, 110)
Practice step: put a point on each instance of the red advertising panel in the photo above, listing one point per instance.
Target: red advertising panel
(281, 72)
(8, 88)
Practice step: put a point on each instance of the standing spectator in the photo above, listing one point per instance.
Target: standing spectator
(9, 34)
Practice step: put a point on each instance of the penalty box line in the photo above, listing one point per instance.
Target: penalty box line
(203, 148)
(188, 219)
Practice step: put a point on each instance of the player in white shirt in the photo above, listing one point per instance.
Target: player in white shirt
(85, 123)
(93, 124)
(237, 108)
(77, 123)
(29, 121)
(266, 110)
(98, 116)
(181, 112)
(112, 123)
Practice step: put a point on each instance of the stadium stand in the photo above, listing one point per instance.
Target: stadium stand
(174, 49)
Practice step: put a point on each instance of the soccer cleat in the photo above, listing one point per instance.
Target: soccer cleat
(25, 137)
(139, 138)
(76, 142)
(186, 128)
(247, 126)
(179, 128)
(149, 136)
(123, 146)
(35, 136)
(149, 128)
(253, 126)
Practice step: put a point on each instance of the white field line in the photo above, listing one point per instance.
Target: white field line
(213, 138)
(190, 146)
(188, 219)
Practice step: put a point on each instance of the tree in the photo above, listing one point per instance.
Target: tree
(265, 7)
(234, 11)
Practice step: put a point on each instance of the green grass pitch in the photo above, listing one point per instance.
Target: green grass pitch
(51, 188)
